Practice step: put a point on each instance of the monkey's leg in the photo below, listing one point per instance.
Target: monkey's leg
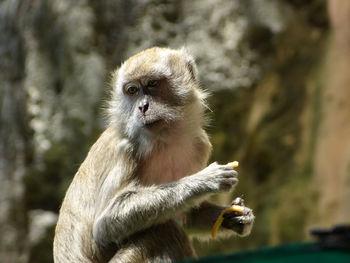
(165, 242)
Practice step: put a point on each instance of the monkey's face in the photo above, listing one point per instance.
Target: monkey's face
(153, 106)
(154, 94)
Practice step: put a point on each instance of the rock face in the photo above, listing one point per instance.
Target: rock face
(15, 149)
(332, 159)
(279, 104)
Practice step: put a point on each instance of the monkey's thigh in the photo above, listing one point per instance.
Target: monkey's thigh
(165, 242)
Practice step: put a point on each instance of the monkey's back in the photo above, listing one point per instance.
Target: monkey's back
(73, 240)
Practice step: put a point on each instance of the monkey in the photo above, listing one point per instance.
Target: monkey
(145, 182)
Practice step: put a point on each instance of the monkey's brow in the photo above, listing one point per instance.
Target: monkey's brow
(153, 74)
(143, 80)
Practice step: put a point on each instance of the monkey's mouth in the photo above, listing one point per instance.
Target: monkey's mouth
(155, 125)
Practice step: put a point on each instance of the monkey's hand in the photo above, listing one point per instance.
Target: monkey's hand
(239, 222)
(216, 178)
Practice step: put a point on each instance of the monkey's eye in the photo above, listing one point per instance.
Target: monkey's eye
(152, 83)
(132, 89)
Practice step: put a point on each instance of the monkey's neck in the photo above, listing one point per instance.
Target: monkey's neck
(170, 162)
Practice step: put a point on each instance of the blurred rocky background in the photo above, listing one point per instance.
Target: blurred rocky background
(279, 76)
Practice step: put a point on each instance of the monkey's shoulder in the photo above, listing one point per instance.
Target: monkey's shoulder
(108, 148)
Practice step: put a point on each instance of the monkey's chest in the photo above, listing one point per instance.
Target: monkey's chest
(169, 165)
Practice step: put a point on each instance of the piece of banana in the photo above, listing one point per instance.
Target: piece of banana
(234, 164)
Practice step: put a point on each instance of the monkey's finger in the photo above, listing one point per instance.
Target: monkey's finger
(212, 164)
(232, 181)
(238, 201)
(229, 173)
(227, 184)
(228, 168)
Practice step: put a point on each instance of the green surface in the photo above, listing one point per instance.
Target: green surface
(306, 252)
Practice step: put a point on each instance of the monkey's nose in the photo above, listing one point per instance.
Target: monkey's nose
(143, 106)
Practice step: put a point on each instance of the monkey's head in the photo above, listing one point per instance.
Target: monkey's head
(156, 96)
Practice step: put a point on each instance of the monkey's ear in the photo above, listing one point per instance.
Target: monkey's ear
(192, 68)
(115, 79)
(190, 64)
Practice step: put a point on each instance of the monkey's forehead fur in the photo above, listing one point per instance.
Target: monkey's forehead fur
(157, 62)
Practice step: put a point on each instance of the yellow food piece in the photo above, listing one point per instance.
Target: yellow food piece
(233, 164)
(233, 208)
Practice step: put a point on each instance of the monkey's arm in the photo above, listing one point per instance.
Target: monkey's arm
(201, 220)
(138, 207)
